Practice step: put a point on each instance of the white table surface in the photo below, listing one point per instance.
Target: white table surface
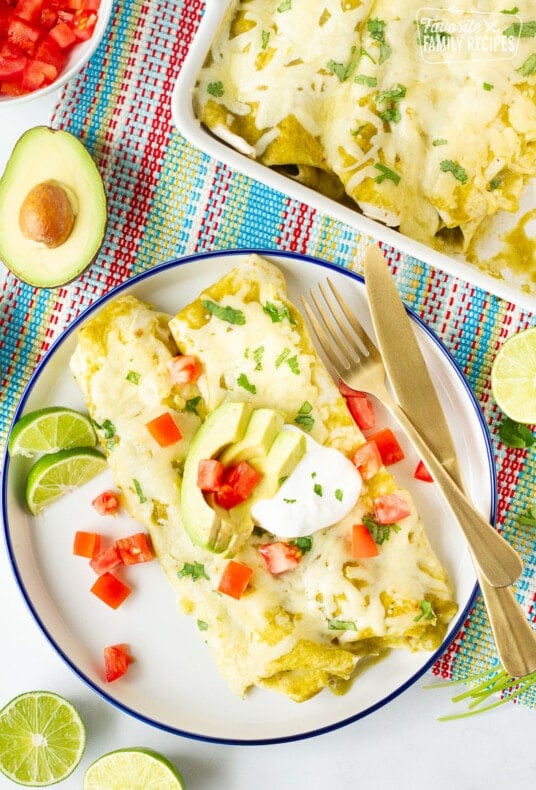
(401, 746)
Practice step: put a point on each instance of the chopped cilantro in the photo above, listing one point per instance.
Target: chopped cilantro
(439, 141)
(342, 625)
(521, 29)
(304, 416)
(292, 362)
(228, 314)
(278, 313)
(339, 494)
(215, 88)
(139, 492)
(288, 501)
(109, 431)
(459, 172)
(265, 37)
(364, 79)
(515, 434)
(192, 404)
(304, 544)
(133, 377)
(495, 183)
(317, 488)
(392, 98)
(202, 625)
(341, 70)
(281, 358)
(245, 383)
(376, 28)
(386, 172)
(528, 68)
(194, 569)
(286, 5)
(364, 54)
(380, 532)
(427, 611)
(257, 357)
(528, 518)
(514, 10)
(487, 86)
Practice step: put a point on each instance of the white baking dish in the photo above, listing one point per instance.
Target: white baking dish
(518, 291)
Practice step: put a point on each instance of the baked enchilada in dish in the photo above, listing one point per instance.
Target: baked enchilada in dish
(421, 118)
(311, 609)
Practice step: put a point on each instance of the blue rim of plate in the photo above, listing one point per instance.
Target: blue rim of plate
(97, 305)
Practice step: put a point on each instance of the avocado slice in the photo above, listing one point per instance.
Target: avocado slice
(287, 449)
(261, 431)
(52, 208)
(223, 426)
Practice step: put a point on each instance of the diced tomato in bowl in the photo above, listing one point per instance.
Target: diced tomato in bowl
(43, 43)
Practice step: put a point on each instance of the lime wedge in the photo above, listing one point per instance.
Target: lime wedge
(58, 473)
(136, 768)
(42, 739)
(513, 377)
(51, 429)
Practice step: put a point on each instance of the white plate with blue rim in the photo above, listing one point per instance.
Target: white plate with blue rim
(173, 683)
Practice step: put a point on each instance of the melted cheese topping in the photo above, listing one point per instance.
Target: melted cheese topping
(428, 129)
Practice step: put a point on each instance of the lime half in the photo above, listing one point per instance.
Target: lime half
(58, 473)
(135, 769)
(42, 739)
(513, 377)
(51, 429)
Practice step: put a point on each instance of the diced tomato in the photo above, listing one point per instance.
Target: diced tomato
(116, 661)
(348, 392)
(11, 67)
(235, 578)
(390, 508)
(367, 459)
(362, 410)
(388, 446)
(45, 32)
(238, 483)
(363, 544)
(86, 544)
(107, 503)
(210, 474)
(62, 35)
(134, 549)
(37, 73)
(164, 430)
(106, 560)
(280, 556)
(184, 369)
(48, 51)
(111, 590)
(29, 10)
(22, 34)
(422, 473)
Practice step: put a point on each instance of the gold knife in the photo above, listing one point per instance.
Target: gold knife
(415, 392)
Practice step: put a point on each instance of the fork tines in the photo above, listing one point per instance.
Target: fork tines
(340, 335)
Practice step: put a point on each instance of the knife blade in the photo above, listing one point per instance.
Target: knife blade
(415, 392)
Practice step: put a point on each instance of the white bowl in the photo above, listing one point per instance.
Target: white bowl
(79, 56)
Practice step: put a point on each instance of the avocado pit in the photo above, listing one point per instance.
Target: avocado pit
(46, 214)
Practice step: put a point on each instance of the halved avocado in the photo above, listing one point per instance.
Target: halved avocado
(52, 208)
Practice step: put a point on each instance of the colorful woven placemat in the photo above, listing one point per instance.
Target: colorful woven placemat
(167, 199)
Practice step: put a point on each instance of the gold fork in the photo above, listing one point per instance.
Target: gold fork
(357, 361)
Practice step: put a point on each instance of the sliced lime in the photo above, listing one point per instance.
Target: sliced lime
(50, 429)
(513, 377)
(42, 739)
(58, 473)
(135, 769)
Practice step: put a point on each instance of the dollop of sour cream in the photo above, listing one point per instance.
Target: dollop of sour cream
(322, 490)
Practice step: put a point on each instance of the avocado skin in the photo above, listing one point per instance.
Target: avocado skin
(46, 154)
